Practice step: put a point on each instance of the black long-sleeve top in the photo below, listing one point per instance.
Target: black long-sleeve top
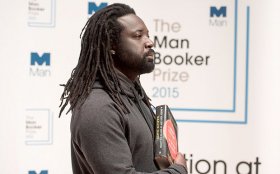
(105, 140)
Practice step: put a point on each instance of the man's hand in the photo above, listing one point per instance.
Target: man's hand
(180, 159)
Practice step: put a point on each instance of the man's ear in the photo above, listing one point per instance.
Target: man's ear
(112, 52)
(113, 49)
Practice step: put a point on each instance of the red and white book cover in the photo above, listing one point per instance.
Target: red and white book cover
(166, 141)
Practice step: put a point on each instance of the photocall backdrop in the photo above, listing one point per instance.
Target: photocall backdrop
(217, 67)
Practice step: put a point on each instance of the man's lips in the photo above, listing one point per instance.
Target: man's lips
(150, 58)
(150, 54)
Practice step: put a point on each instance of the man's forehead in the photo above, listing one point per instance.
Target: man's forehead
(132, 22)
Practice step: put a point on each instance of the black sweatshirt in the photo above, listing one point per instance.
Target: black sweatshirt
(105, 140)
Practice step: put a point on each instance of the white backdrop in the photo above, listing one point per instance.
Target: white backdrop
(217, 68)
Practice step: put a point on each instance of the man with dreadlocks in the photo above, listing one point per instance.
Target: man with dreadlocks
(112, 120)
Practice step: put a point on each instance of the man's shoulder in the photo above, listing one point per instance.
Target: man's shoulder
(96, 103)
(99, 104)
(98, 109)
(98, 97)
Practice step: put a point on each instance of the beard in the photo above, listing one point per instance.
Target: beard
(126, 59)
(148, 65)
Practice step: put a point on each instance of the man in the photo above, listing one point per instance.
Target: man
(112, 122)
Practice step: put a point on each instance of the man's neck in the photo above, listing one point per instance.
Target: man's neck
(130, 76)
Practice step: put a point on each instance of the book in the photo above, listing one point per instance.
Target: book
(166, 141)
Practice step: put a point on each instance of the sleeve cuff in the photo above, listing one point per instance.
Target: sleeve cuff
(180, 168)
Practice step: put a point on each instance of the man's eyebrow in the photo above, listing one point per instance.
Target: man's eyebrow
(138, 30)
(141, 30)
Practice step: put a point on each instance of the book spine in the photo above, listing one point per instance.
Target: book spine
(171, 134)
(160, 142)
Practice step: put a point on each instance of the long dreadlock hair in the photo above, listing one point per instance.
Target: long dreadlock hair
(100, 33)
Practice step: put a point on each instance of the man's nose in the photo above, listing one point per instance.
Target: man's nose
(149, 43)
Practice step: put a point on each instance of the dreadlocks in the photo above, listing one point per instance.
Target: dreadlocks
(100, 33)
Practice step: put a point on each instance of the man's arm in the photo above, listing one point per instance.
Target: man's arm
(101, 138)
